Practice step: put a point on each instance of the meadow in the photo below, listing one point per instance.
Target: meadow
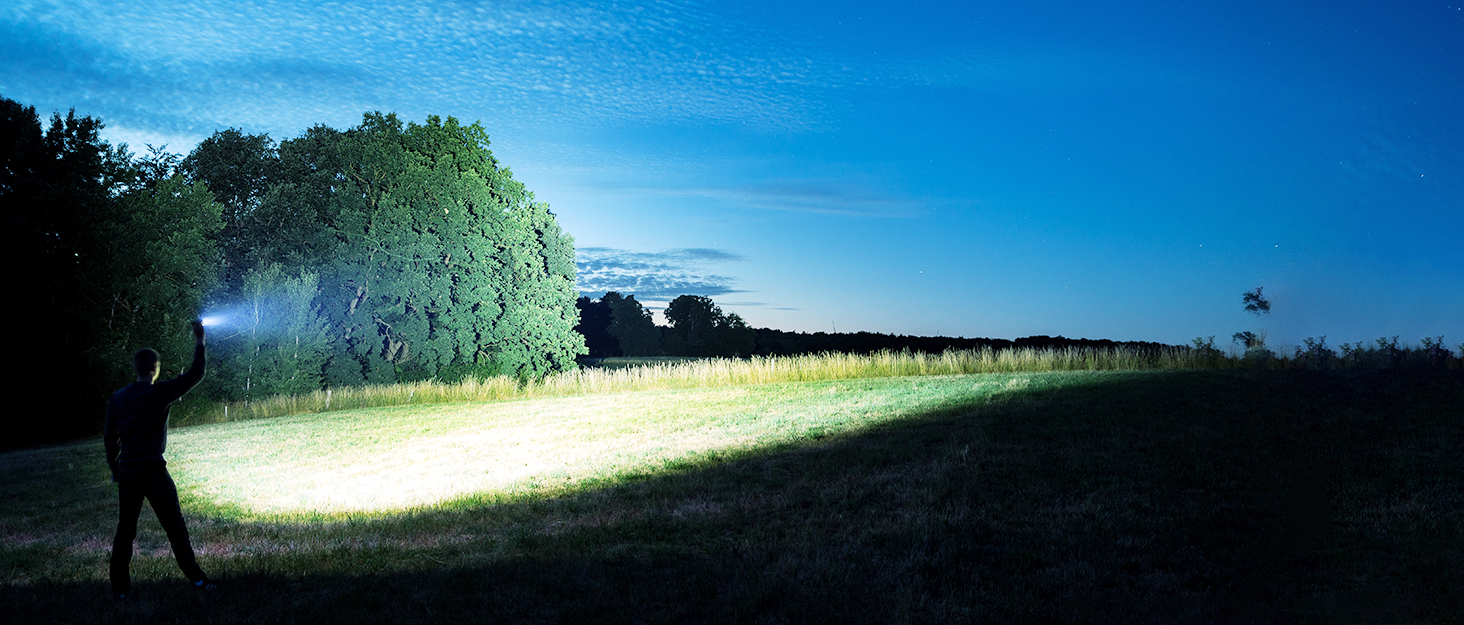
(610, 375)
(879, 489)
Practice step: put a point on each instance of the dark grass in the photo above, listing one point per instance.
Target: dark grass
(1154, 497)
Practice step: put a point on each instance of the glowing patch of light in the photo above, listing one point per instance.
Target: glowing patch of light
(405, 458)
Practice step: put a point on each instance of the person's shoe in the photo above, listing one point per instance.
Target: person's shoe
(205, 585)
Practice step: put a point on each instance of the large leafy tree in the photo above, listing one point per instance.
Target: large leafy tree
(150, 281)
(430, 254)
(239, 169)
(54, 182)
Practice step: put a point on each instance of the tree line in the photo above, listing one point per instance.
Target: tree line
(385, 252)
(618, 325)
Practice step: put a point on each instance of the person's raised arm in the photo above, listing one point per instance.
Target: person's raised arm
(191, 377)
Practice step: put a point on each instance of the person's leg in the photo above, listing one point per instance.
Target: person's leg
(163, 495)
(129, 499)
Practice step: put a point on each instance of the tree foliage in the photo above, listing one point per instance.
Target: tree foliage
(150, 281)
(631, 325)
(1255, 302)
(594, 324)
(53, 183)
(699, 328)
(429, 253)
(239, 169)
(382, 252)
(110, 252)
(278, 340)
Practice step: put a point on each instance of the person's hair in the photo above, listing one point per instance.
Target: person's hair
(145, 360)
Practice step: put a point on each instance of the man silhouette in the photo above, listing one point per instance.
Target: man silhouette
(136, 433)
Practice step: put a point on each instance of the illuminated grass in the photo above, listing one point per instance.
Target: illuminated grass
(1122, 497)
(617, 375)
(681, 373)
(397, 458)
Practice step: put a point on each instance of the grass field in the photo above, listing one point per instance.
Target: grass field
(1221, 496)
(614, 375)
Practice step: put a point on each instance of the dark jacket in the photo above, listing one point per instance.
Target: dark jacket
(137, 416)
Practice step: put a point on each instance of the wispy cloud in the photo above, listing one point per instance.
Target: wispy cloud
(523, 62)
(822, 196)
(653, 276)
(1403, 160)
(280, 66)
(834, 197)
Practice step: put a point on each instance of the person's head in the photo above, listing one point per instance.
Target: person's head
(145, 363)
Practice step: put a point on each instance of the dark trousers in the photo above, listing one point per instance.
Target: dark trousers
(149, 480)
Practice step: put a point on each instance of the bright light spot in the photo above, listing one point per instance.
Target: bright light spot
(212, 320)
(394, 459)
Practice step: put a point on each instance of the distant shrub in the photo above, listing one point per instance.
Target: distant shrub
(1316, 355)
(1388, 350)
(1205, 351)
(1351, 354)
(1434, 351)
(1254, 343)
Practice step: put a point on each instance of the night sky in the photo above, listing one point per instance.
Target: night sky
(1120, 170)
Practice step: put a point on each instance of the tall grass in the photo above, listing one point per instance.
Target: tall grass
(712, 372)
(669, 374)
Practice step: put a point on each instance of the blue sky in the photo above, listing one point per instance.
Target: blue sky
(1120, 170)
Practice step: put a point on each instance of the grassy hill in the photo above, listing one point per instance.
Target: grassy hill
(1066, 496)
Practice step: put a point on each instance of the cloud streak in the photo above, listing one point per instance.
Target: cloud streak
(520, 61)
(830, 197)
(279, 66)
(652, 276)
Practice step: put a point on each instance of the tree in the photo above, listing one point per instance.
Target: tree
(1249, 340)
(112, 253)
(150, 281)
(277, 343)
(632, 326)
(49, 181)
(429, 253)
(699, 328)
(594, 324)
(692, 319)
(239, 169)
(1254, 342)
(734, 338)
(1255, 302)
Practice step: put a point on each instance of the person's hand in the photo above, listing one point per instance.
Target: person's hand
(198, 331)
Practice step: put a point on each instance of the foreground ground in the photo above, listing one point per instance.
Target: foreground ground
(1211, 497)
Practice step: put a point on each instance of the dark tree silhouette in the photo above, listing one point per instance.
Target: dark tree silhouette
(65, 195)
(594, 324)
(1255, 302)
(632, 327)
(699, 328)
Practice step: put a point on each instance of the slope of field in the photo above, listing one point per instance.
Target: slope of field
(388, 459)
(1162, 496)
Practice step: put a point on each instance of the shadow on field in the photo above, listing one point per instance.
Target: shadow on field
(1184, 497)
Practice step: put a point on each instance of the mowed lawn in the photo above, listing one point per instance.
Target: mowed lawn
(1162, 496)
